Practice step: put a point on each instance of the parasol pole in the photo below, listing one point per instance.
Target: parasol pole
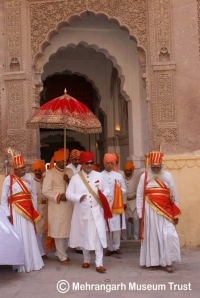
(65, 150)
(65, 138)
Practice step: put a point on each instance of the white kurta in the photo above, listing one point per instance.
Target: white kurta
(87, 213)
(161, 243)
(74, 169)
(24, 227)
(110, 177)
(59, 214)
(11, 248)
(41, 208)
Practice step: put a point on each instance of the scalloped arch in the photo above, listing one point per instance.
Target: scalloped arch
(39, 62)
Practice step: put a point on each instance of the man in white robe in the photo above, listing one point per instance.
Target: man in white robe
(88, 225)
(132, 219)
(74, 161)
(75, 166)
(59, 208)
(158, 213)
(39, 169)
(117, 222)
(19, 202)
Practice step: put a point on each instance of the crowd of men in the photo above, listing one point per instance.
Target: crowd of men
(80, 207)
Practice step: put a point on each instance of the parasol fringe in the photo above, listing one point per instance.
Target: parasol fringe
(56, 126)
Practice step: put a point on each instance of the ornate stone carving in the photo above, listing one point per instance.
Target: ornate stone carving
(13, 31)
(10, 76)
(165, 98)
(17, 139)
(163, 25)
(167, 135)
(45, 16)
(15, 105)
(198, 12)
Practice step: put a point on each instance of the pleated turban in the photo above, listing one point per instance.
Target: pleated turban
(18, 161)
(86, 156)
(129, 165)
(110, 158)
(39, 164)
(58, 156)
(155, 157)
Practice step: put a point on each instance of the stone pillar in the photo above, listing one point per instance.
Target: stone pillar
(160, 78)
(18, 79)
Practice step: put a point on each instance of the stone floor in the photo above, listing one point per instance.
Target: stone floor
(123, 271)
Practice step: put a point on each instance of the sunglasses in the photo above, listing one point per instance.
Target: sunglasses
(89, 163)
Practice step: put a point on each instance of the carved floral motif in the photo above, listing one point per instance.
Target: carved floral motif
(45, 16)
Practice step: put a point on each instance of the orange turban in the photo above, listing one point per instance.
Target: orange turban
(75, 154)
(129, 165)
(117, 156)
(18, 161)
(58, 156)
(86, 156)
(155, 157)
(96, 167)
(39, 164)
(110, 158)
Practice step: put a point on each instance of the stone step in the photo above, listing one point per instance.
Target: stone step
(130, 244)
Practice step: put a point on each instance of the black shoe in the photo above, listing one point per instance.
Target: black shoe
(79, 251)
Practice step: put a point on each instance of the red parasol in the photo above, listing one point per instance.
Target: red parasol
(65, 112)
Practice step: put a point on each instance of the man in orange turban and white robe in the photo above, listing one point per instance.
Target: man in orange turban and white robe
(59, 208)
(19, 202)
(38, 167)
(74, 161)
(157, 209)
(117, 222)
(132, 219)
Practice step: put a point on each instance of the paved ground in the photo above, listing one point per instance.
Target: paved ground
(122, 271)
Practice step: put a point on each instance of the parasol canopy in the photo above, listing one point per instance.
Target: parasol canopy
(65, 112)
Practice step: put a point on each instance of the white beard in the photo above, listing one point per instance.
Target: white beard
(152, 175)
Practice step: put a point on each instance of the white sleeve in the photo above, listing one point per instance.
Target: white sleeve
(33, 192)
(139, 196)
(173, 190)
(5, 195)
(70, 192)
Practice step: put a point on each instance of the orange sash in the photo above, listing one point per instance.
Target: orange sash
(159, 200)
(22, 201)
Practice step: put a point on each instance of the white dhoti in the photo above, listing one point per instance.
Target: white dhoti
(25, 229)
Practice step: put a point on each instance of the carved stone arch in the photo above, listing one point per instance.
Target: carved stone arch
(38, 60)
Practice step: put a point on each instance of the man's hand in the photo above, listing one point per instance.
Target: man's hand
(125, 206)
(82, 198)
(62, 197)
(176, 220)
(66, 178)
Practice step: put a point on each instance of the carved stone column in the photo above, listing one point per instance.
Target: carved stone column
(160, 79)
(18, 79)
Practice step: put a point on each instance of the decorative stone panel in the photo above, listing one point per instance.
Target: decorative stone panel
(17, 139)
(13, 27)
(45, 16)
(198, 14)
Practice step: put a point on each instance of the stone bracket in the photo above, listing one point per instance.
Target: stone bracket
(160, 66)
(19, 75)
